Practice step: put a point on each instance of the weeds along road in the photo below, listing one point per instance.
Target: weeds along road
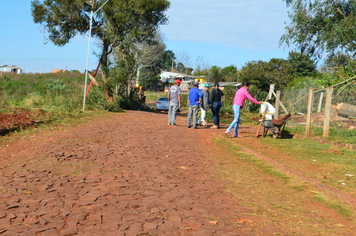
(132, 174)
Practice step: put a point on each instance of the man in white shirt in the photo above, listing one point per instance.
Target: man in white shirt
(270, 109)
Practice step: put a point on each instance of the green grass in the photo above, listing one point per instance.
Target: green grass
(336, 205)
(322, 161)
(338, 133)
(246, 157)
(251, 172)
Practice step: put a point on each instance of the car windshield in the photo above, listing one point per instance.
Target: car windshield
(163, 99)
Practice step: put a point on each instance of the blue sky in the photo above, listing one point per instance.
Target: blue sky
(222, 33)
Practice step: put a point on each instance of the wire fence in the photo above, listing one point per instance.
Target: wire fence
(341, 121)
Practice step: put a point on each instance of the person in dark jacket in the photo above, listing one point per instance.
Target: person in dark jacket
(216, 96)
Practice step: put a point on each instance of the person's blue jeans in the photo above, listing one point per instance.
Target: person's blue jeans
(236, 120)
(215, 108)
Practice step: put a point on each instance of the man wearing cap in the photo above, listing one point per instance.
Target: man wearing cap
(204, 105)
(174, 102)
(194, 99)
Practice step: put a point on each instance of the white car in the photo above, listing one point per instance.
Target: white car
(162, 104)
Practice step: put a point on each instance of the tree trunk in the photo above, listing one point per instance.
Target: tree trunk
(104, 59)
(346, 110)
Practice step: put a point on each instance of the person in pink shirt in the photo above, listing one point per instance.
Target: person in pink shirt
(239, 101)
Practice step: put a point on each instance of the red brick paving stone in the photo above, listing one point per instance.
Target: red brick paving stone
(71, 224)
(4, 222)
(175, 219)
(124, 225)
(50, 232)
(203, 233)
(110, 224)
(136, 227)
(18, 229)
(150, 226)
(29, 220)
(69, 232)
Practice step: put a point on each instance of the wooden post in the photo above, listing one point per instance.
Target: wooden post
(320, 101)
(291, 107)
(259, 127)
(278, 96)
(310, 110)
(271, 91)
(329, 94)
(281, 104)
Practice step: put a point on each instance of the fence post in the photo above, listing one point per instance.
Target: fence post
(271, 90)
(278, 96)
(329, 94)
(310, 110)
(320, 101)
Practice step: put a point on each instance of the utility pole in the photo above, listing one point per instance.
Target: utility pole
(209, 72)
(92, 13)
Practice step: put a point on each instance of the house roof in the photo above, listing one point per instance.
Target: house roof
(13, 67)
(170, 75)
(167, 75)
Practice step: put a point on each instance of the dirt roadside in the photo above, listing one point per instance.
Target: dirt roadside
(127, 174)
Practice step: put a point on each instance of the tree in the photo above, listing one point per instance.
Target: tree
(337, 61)
(321, 26)
(165, 62)
(278, 72)
(184, 61)
(118, 25)
(302, 65)
(215, 74)
(201, 67)
(262, 74)
(254, 72)
(229, 73)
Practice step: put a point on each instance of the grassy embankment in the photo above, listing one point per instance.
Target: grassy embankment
(276, 196)
(48, 98)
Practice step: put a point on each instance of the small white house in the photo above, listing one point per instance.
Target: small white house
(10, 69)
(170, 76)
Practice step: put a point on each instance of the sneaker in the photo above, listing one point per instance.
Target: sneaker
(237, 136)
(188, 126)
(194, 127)
(228, 135)
(174, 124)
(214, 127)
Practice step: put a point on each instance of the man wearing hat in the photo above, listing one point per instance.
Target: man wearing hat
(194, 99)
(204, 105)
(174, 102)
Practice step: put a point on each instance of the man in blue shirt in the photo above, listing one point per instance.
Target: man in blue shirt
(194, 99)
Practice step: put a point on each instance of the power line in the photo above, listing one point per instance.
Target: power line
(48, 59)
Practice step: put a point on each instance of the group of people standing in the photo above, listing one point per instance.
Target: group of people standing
(206, 100)
(197, 97)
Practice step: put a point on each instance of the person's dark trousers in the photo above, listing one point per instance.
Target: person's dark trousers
(215, 108)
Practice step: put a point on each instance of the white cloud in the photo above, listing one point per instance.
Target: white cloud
(246, 24)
